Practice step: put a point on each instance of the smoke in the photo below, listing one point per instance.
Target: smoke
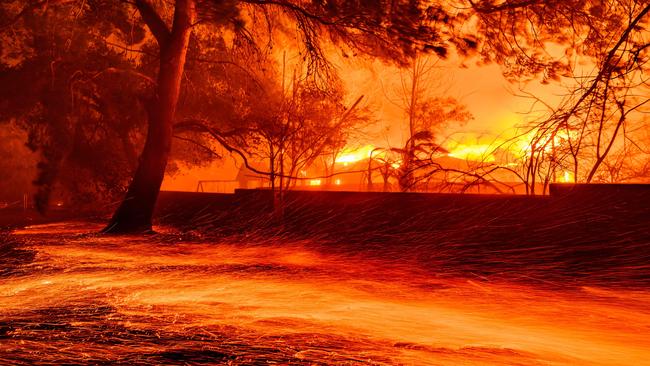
(17, 165)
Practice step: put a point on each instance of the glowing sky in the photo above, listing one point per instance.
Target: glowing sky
(485, 92)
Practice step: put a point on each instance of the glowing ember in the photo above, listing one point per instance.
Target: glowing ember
(134, 300)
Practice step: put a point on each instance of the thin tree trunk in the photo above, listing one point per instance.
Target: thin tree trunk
(136, 211)
(601, 158)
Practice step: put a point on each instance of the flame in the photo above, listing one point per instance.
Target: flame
(349, 155)
(478, 152)
(546, 143)
(315, 182)
(567, 177)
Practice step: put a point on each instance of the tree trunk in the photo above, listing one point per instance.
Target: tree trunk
(601, 157)
(136, 211)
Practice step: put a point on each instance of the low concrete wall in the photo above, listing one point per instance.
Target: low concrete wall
(599, 232)
(323, 212)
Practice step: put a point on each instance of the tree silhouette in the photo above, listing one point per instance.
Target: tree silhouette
(426, 115)
(604, 97)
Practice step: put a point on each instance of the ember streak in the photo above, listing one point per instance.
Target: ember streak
(134, 299)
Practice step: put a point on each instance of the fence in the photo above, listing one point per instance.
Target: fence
(217, 186)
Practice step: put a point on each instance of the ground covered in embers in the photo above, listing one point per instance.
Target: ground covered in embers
(70, 296)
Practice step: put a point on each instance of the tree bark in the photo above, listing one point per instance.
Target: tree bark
(134, 215)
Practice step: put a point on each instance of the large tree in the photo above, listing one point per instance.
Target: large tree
(136, 211)
(76, 82)
(392, 30)
(75, 97)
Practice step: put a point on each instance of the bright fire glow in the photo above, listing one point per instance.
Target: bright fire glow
(314, 182)
(480, 152)
(567, 177)
(544, 144)
(352, 156)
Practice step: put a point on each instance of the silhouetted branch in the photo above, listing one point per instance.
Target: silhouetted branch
(154, 22)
